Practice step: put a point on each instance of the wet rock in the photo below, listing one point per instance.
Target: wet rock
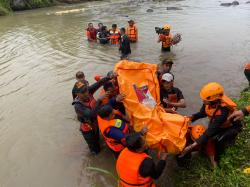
(30, 4)
(18, 4)
(174, 8)
(226, 4)
(235, 3)
(150, 10)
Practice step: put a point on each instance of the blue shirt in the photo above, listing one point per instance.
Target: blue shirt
(116, 133)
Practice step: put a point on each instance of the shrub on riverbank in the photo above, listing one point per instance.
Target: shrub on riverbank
(4, 7)
(230, 172)
(7, 6)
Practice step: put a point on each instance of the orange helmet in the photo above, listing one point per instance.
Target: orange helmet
(212, 92)
(197, 131)
(98, 77)
(167, 27)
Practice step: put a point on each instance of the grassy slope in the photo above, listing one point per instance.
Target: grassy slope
(30, 4)
(5, 6)
(234, 160)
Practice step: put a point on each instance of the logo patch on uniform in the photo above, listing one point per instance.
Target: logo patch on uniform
(118, 123)
(79, 84)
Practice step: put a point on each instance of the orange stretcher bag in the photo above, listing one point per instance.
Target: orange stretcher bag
(140, 84)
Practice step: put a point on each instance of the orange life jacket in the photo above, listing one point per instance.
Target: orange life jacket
(127, 167)
(105, 125)
(166, 41)
(114, 37)
(226, 102)
(132, 33)
(247, 66)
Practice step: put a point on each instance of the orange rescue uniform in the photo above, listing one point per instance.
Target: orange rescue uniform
(132, 33)
(105, 125)
(226, 102)
(247, 66)
(127, 167)
(114, 37)
(166, 40)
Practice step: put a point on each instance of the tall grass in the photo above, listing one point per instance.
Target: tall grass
(103, 171)
(4, 7)
(38, 3)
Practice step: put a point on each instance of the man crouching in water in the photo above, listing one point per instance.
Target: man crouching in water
(86, 109)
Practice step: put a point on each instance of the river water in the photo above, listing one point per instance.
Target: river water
(40, 144)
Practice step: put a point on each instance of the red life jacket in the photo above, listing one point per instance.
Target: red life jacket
(86, 127)
(91, 34)
(173, 98)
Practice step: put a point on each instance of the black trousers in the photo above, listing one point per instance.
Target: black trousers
(226, 138)
(167, 49)
(92, 139)
(247, 74)
(125, 56)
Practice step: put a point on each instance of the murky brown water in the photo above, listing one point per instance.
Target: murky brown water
(40, 144)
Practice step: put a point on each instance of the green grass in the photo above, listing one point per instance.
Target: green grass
(38, 3)
(4, 7)
(230, 170)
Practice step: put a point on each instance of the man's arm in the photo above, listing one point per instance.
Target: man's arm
(239, 114)
(199, 115)
(159, 39)
(149, 169)
(92, 88)
(85, 114)
(181, 103)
